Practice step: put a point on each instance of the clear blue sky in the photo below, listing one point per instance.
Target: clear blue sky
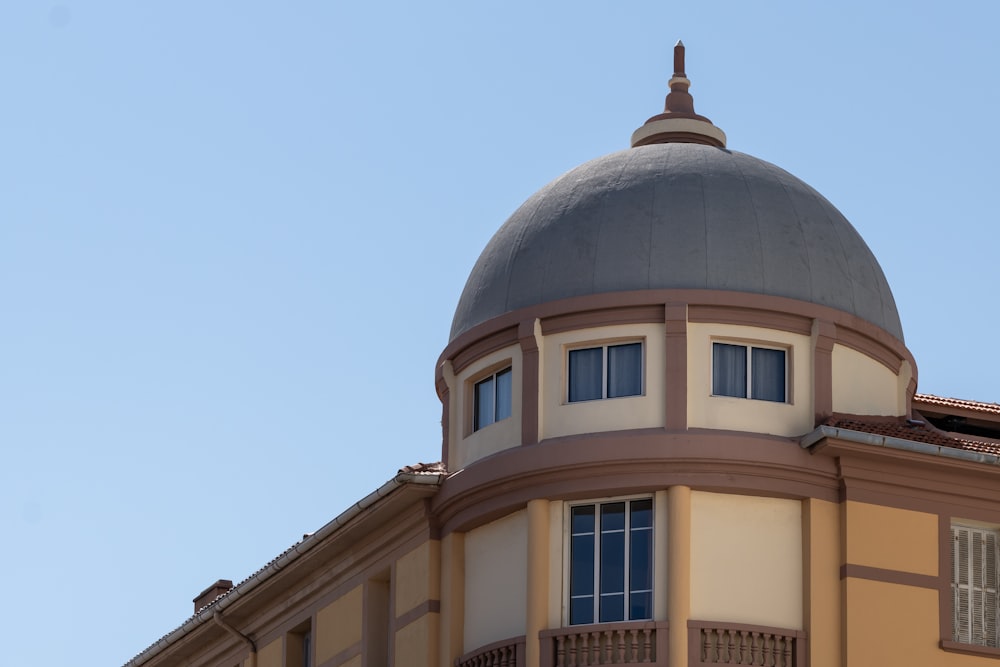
(232, 236)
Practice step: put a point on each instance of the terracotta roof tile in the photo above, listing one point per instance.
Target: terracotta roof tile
(978, 406)
(912, 430)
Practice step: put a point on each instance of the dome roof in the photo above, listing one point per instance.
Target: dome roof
(677, 215)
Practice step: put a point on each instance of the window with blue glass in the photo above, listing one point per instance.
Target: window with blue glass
(492, 398)
(748, 371)
(606, 371)
(611, 562)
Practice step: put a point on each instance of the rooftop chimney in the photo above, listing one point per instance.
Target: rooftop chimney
(207, 596)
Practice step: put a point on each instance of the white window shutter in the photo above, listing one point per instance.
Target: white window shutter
(975, 597)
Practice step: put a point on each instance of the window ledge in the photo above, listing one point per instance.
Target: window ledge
(969, 649)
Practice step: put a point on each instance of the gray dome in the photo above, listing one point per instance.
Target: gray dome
(677, 215)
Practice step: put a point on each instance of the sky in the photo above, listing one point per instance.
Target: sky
(232, 237)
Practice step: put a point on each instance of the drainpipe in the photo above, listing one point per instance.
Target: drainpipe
(217, 617)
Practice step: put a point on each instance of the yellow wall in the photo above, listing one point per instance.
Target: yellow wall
(468, 445)
(418, 576)
(560, 417)
(495, 581)
(863, 386)
(416, 642)
(890, 538)
(741, 414)
(338, 625)
(823, 617)
(889, 624)
(746, 559)
(270, 655)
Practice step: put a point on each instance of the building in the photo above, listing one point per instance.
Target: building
(680, 427)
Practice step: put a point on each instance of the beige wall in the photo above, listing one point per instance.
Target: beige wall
(270, 655)
(418, 575)
(338, 625)
(746, 559)
(560, 417)
(892, 539)
(863, 386)
(557, 545)
(416, 642)
(467, 445)
(741, 414)
(495, 581)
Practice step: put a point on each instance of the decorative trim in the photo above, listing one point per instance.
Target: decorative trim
(530, 381)
(750, 317)
(825, 335)
(865, 345)
(599, 318)
(421, 610)
(352, 651)
(675, 318)
(969, 649)
(634, 461)
(853, 571)
(496, 341)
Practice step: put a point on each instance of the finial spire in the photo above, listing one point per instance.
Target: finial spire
(679, 59)
(679, 122)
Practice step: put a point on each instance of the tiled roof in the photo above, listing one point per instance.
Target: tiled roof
(913, 430)
(990, 408)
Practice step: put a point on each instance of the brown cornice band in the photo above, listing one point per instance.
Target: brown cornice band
(421, 610)
(635, 461)
(640, 306)
(853, 571)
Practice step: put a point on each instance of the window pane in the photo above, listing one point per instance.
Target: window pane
(612, 575)
(729, 370)
(640, 606)
(625, 370)
(641, 514)
(585, 374)
(612, 608)
(504, 382)
(483, 415)
(581, 578)
(612, 517)
(767, 373)
(583, 520)
(641, 560)
(581, 611)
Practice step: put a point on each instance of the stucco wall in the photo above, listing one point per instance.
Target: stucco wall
(741, 414)
(746, 559)
(863, 386)
(495, 581)
(560, 417)
(270, 655)
(469, 445)
(417, 576)
(891, 538)
(416, 642)
(338, 625)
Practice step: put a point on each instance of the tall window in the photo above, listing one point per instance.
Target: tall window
(611, 562)
(974, 585)
(748, 371)
(492, 399)
(608, 371)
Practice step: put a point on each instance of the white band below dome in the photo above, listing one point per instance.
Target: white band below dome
(688, 125)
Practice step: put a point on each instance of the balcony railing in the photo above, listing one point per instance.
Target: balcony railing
(712, 643)
(505, 653)
(636, 642)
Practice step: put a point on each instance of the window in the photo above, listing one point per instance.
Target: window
(748, 371)
(492, 399)
(974, 585)
(611, 562)
(608, 371)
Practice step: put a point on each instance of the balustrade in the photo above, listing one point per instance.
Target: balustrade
(736, 644)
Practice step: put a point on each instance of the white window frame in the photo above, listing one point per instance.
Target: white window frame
(749, 368)
(474, 385)
(604, 347)
(976, 618)
(568, 563)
